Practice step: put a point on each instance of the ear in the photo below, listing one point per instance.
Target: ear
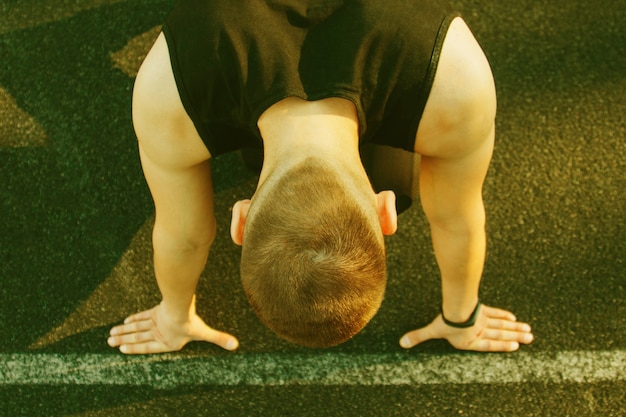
(387, 215)
(238, 222)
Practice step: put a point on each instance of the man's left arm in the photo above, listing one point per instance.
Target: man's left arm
(451, 195)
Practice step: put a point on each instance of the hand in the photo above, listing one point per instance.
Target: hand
(153, 331)
(495, 330)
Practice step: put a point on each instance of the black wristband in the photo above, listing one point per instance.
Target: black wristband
(469, 323)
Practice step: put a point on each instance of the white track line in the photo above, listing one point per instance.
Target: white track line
(172, 370)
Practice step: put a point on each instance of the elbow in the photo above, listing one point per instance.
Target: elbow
(463, 222)
(183, 240)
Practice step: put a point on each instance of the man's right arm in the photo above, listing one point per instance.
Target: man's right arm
(176, 165)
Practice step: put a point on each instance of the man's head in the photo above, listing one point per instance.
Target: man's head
(313, 257)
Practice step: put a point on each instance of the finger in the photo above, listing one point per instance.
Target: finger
(144, 315)
(508, 325)
(488, 345)
(132, 338)
(152, 346)
(224, 340)
(418, 336)
(507, 336)
(498, 313)
(132, 327)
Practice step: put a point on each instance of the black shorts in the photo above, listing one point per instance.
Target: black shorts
(232, 59)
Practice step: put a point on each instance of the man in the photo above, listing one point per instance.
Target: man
(310, 83)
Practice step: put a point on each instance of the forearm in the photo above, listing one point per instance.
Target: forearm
(460, 254)
(178, 264)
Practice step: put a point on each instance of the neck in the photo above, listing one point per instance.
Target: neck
(294, 130)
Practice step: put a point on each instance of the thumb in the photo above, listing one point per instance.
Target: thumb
(418, 336)
(226, 341)
(221, 339)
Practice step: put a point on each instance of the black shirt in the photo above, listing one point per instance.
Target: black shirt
(232, 59)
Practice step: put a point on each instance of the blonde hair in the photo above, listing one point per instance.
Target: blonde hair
(313, 263)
